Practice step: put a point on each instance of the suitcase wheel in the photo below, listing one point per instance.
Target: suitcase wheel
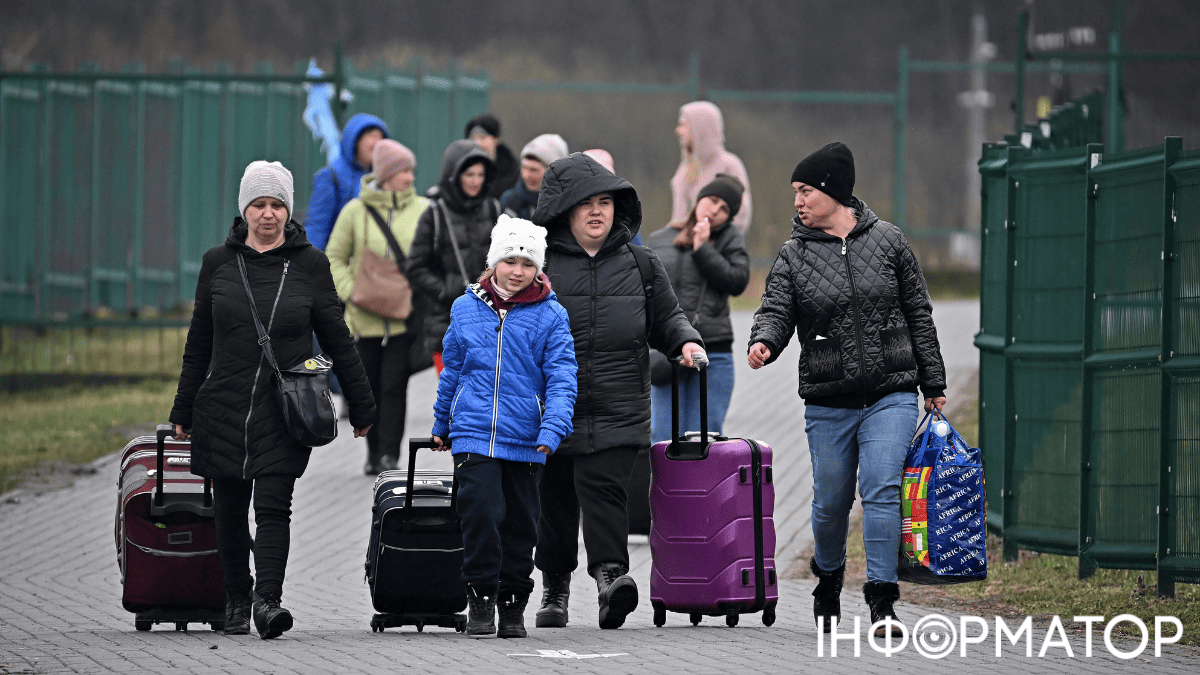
(377, 626)
(731, 619)
(660, 616)
(695, 617)
(181, 626)
(142, 625)
(420, 626)
(768, 616)
(460, 625)
(217, 625)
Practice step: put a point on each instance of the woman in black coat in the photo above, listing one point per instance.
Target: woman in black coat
(449, 249)
(226, 402)
(707, 262)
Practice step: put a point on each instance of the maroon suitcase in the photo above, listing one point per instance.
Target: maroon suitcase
(166, 536)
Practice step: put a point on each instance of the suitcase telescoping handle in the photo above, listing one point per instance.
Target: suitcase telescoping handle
(415, 444)
(679, 447)
(161, 433)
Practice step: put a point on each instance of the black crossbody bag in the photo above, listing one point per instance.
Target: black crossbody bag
(303, 390)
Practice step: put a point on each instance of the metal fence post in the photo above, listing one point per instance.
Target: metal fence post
(1087, 566)
(1019, 95)
(1116, 120)
(1009, 548)
(900, 126)
(693, 85)
(1172, 148)
(339, 82)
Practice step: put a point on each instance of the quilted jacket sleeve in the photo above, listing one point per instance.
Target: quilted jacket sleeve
(727, 270)
(341, 248)
(330, 327)
(322, 209)
(560, 372)
(424, 261)
(197, 353)
(453, 357)
(671, 329)
(918, 314)
(776, 317)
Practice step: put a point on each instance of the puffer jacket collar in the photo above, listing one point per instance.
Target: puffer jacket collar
(294, 236)
(373, 195)
(866, 220)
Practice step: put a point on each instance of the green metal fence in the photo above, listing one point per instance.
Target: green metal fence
(1089, 356)
(112, 185)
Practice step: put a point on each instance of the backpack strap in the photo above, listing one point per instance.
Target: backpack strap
(646, 271)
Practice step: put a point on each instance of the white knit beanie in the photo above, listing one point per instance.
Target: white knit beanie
(545, 148)
(265, 179)
(517, 237)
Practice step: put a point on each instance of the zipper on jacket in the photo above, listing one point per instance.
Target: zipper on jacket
(496, 389)
(862, 354)
(261, 357)
(591, 415)
(453, 405)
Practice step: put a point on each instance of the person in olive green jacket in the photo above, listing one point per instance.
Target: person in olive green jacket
(383, 345)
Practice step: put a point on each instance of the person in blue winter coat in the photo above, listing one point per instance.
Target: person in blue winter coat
(505, 401)
(336, 184)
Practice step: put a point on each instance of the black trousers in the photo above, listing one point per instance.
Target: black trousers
(387, 371)
(594, 483)
(272, 497)
(498, 506)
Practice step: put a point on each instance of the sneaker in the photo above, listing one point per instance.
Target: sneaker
(512, 616)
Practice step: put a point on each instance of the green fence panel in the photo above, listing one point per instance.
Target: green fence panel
(1122, 423)
(157, 272)
(202, 220)
(113, 237)
(1179, 542)
(400, 106)
(1048, 207)
(367, 88)
(20, 130)
(994, 330)
(64, 247)
(470, 98)
(434, 105)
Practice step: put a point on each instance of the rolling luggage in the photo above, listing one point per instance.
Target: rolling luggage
(166, 536)
(712, 536)
(415, 556)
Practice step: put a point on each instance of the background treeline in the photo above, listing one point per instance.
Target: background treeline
(848, 45)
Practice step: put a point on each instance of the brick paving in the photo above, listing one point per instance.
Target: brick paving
(60, 608)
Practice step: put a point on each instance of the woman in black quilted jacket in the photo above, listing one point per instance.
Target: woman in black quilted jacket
(226, 402)
(848, 285)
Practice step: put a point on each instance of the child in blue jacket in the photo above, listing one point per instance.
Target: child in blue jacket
(505, 401)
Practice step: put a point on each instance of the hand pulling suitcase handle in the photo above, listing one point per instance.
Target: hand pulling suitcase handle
(674, 450)
(415, 444)
(161, 432)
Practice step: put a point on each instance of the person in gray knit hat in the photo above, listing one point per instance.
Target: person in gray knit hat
(228, 407)
(520, 201)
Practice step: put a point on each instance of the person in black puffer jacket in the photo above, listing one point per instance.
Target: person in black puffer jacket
(848, 285)
(438, 257)
(707, 261)
(591, 215)
(227, 400)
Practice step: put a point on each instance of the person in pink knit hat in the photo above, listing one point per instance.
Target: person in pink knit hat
(701, 132)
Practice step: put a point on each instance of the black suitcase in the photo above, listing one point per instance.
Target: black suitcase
(415, 557)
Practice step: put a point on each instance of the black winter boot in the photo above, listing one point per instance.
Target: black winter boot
(880, 597)
(512, 615)
(270, 619)
(827, 596)
(481, 611)
(237, 613)
(556, 590)
(618, 594)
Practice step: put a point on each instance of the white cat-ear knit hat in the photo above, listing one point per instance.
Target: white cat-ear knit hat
(517, 237)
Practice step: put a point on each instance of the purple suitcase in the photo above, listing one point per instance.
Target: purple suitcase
(712, 533)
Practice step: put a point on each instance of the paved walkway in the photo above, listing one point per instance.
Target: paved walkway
(60, 610)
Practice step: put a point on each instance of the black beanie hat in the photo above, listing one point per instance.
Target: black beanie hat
(728, 188)
(485, 121)
(830, 170)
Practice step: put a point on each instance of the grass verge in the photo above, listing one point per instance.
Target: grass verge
(46, 431)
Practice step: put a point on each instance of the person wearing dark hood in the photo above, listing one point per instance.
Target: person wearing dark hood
(449, 249)
(484, 129)
(591, 215)
(849, 287)
(226, 402)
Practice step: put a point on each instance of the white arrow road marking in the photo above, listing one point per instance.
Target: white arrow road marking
(568, 654)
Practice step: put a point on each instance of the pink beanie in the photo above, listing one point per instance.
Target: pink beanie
(390, 158)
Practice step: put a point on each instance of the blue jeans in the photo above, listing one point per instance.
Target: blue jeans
(720, 391)
(872, 442)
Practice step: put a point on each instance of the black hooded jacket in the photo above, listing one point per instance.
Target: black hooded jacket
(432, 266)
(227, 394)
(605, 300)
(860, 309)
(704, 279)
